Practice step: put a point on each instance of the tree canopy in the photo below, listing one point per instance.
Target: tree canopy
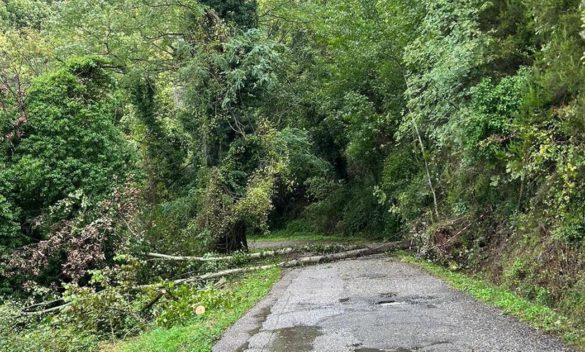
(184, 127)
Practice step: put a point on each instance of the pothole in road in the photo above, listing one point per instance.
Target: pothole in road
(377, 276)
(393, 299)
(389, 302)
(411, 300)
(367, 349)
(388, 299)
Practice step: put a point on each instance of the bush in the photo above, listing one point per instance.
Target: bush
(33, 334)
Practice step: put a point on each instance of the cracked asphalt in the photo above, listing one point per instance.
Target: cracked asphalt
(376, 304)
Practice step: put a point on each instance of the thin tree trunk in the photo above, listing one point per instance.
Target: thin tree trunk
(211, 259)
(303, 261)
(429, 179)
(54, 309)
(421, 144)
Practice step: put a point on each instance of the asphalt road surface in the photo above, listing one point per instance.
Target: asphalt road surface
(375, 304)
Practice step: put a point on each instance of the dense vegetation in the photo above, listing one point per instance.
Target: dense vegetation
(182, 127)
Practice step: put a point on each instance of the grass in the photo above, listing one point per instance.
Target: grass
(538, 316)
(303, 236)
(200, 335)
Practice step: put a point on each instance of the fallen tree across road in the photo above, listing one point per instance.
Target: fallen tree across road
(315, 259)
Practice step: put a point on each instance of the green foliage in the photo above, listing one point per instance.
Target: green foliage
(349, 210)
(69, 155)
(199, 333)
(296, 231)
(180, 309)
(242, 12)
(9, 228)
(24, 13)
(573, 301)
(105, 307)
(491, 122)
(71, 140)
(302, 162)
(175, 227)
(459, 123)
(538, 315)
(44, 338)
(165, 148)
(442, 61)
(108, 313)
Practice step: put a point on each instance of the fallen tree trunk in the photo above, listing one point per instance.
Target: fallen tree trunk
(210, 259)
(44, 311)
(316, 259)
(31, 308)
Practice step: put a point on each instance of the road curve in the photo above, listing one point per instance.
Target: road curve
(375, 304)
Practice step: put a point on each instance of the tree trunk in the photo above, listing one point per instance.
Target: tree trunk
(264, 254)
(234, 240)
(316, 259)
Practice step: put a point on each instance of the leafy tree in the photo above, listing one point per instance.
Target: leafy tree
(242, 12)
(457, 123)
(70, 141)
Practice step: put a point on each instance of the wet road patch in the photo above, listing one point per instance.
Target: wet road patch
(296, 338)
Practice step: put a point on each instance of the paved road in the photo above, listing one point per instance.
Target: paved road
(375, 304)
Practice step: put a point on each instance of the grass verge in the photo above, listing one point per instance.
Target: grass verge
(304, 236)
(200, 335)
(538, 316)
